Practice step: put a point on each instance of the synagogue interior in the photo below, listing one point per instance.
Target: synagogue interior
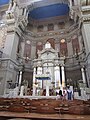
(45, 54)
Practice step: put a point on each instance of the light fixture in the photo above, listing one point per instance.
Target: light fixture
(62, 41)
(28, 42)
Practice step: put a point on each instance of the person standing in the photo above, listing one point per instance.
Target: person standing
(60, 94)
(69, 94)
(64, 94)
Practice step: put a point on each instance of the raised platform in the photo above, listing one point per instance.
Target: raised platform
(44, 108)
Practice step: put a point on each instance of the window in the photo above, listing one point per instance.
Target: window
(52, 42)
(61, 25)
(72, 2)
(50, 27)
(40, 28)
(75, 44)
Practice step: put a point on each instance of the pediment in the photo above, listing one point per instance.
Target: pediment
(48, 53)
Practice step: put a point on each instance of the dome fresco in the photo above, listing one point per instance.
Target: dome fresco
(49, 11)
(3, 2)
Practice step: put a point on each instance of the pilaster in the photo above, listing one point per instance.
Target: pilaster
(85, 28)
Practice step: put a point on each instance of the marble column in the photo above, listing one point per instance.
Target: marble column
(63, 76)
(39, 72)
(83, 75)
(14, 6)
(20, 80)
(22, 91)
(25, 10)
(71, 10)
(70, 1)
(47, 88)
(86, 37)
(34, 80)
(27, 15)
(10, 5)
(57, 77)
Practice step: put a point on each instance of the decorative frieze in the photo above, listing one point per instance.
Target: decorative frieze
(59, 34)
(3, 34)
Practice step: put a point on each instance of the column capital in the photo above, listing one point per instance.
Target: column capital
(82, 69)
(34, 67)
(20, 72)
(56, 65)
(62, 65)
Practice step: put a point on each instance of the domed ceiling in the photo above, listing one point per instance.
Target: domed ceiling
(59, 9)
(3, 2)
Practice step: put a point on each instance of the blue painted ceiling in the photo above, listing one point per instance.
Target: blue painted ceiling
(3, 2)
(55, 10)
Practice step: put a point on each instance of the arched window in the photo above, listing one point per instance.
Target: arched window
(61, 25)
(75, 44)
(40, 28)
(52, 42)
(63, 48)
(30, 27)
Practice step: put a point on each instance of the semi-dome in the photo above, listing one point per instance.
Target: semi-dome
(55, 10)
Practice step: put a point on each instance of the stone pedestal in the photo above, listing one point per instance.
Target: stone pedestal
(47, 90)
(76, 96)
(83, 94)
(22, 91)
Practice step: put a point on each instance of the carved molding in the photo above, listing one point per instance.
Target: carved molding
(3, 34)
(57, 36)
(24, 3)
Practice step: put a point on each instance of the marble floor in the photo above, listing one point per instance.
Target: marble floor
(36, 116)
